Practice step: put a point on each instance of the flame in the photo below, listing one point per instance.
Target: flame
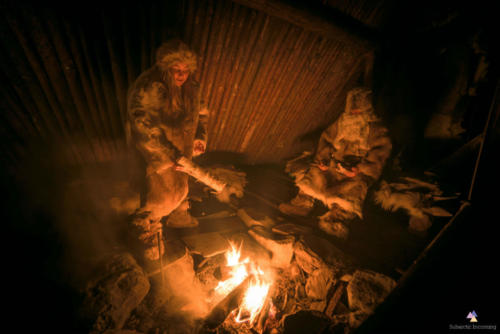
(233, 256)
(253, 301)
(257, 291)
(272, 310)
(238, 271)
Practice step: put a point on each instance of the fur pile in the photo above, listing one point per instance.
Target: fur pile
(415, 197)
(235, 182)
(224, 181)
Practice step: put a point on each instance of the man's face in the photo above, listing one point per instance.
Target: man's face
(180, 73)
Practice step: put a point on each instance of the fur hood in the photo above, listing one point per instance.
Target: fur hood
(359, 99)
(175, 51)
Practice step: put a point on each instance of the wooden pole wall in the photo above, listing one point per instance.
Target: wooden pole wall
(266, 81)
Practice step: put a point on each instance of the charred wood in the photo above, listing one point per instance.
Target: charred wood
(224, 307)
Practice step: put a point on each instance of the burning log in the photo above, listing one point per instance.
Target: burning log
(241, 297)
(260, 325)
(224, 307)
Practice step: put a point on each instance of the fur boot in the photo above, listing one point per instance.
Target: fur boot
(300, 205)
(181, 218)
(146, 231)
(334, 222)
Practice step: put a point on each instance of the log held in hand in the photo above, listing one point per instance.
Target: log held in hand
(225, 182)
(200, 174)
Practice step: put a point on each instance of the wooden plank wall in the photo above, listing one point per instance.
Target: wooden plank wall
(65, 74)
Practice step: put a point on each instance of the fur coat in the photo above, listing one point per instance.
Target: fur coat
(163, 131)
(356, 141)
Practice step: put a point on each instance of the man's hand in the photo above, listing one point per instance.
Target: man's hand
(349, 173)
(322, 166)
(199, 147)
(179, 168)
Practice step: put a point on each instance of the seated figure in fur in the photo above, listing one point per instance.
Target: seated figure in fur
(350, 156)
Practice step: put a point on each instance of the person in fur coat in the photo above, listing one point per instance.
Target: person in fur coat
(350, 156)
(166, 122)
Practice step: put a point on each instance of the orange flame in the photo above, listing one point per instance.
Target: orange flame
(253, 301)
(257, 291)
(238, 271)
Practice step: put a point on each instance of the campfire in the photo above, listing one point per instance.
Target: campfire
(279, 278)
(250, 285)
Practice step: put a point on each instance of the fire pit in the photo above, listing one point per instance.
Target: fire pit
(242, 300)
(280, 278)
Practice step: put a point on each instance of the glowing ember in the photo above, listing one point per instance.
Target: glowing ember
(257, 291)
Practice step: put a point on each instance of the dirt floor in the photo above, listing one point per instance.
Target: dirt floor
(380, 242)
(59, 223)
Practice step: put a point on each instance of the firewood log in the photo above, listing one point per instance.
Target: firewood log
(220, 312)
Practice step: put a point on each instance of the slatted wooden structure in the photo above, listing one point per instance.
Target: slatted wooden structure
(270, 72)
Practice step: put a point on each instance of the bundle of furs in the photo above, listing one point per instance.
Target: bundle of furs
(300, 164)
(414, 196)
(224, 181)
(235, 182)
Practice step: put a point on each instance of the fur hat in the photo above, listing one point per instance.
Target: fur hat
(359, 98)
(175, 51)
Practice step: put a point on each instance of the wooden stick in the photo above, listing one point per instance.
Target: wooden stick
(158, 237)
(483, 138)
(339, 291)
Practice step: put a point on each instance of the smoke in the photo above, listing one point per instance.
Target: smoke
(184, 286)
(61, 220)
(93, 215)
